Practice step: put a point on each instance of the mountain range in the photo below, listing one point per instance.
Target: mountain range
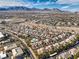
(22, 8)
(25, 8)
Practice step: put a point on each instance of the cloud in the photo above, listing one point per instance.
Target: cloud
(72, 5)
(10, 0)
(68, 2)
(65, 7)
(61, 4)
(13, 3)
(71, 8)
(24, 3)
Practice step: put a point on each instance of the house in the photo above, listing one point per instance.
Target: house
(73, 51)
(48, 48)
(17, 51)
(10, 46)
(40, 51)
(56, 45)
(34, 40)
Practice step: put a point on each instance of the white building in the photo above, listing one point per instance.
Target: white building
(2, 55)
(17, 51)
(1, 35)
(10, 46)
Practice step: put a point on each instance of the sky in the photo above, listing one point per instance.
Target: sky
(69, 5)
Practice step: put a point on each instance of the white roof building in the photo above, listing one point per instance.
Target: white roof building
(2, 55)
(10, 46)
(17, 51)
(1, 35)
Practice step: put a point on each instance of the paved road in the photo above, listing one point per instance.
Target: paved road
(76, 29)
(24, 42)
